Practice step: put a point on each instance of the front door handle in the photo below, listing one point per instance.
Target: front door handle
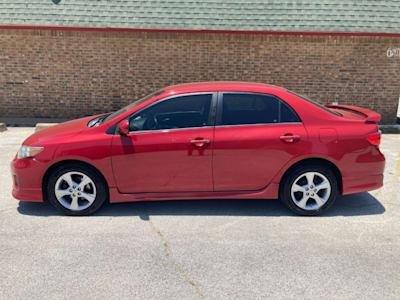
(290, 138)
(199, 142)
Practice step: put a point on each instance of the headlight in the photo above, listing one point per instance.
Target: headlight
(27, 151)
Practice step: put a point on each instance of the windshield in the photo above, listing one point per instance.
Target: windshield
(129, 106)
(316, 103)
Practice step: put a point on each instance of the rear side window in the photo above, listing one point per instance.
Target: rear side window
(287, 114)
(238, 109)
(179, 112)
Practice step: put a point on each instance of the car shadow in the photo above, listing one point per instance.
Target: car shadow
(353, 205)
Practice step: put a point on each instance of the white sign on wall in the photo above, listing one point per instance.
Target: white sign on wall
(393, 52)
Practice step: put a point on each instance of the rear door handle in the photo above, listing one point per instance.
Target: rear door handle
(200, 142)
(290, 138)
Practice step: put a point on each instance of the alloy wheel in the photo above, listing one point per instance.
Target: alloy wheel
(310, 190)
(75, 191)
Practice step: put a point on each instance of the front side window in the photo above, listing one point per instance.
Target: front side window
(179, 112)
(239, 109)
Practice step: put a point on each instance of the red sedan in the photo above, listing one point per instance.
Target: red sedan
(205, 141)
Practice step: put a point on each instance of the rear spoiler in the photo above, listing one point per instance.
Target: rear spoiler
(369, 115)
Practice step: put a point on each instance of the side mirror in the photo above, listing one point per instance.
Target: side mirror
(123, 127)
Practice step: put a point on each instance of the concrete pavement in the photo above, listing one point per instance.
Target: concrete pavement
(202, 249)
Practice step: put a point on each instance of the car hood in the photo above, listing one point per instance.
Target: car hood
(60, 131)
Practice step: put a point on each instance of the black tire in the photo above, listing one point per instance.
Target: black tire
(285, 190)
(100, 184)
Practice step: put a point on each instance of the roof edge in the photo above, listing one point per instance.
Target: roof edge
(181, 30)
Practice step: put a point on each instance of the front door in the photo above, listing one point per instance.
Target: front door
(169, 148)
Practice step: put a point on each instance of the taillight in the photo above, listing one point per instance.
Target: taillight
(374, 138)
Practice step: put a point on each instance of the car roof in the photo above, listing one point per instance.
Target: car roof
(213, 86)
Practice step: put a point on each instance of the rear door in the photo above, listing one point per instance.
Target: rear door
(255, 136)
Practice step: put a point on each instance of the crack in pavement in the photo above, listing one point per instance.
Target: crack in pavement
(6, 209)
(175, 265)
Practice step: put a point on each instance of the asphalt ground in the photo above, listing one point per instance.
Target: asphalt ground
(232, 249)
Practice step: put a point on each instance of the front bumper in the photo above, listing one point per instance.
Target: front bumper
(27, 174)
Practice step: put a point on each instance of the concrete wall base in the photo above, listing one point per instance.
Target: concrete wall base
(3, 127)
(390, 128)
(29, 122)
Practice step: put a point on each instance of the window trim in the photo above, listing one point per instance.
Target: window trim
(220, 108)
(211, 117)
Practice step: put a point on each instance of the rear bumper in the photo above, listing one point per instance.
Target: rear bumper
(366, 174)
(27, 177)
(362, 184)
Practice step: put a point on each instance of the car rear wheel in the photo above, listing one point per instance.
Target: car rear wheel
(309, 190)
(76, 189)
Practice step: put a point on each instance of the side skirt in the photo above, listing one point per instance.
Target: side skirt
(270, 192)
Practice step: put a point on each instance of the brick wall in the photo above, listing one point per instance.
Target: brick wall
(68, 74)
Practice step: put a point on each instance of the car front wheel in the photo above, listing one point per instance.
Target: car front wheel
(309, 190)
(76, 189)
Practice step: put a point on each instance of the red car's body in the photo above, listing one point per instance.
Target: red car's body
(237, 161)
